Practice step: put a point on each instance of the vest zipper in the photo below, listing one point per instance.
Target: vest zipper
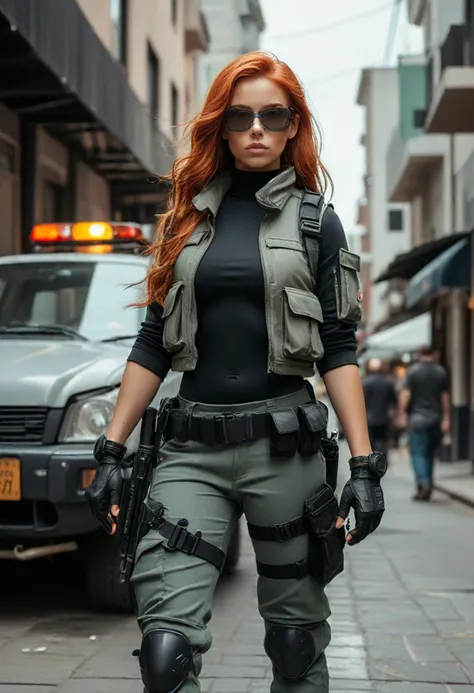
(266, 285)
(193, 283)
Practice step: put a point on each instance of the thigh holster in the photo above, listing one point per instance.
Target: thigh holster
(165, 661)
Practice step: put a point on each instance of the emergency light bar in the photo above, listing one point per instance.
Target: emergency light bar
(87, 232)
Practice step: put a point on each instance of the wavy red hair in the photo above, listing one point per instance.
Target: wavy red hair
(209, 155)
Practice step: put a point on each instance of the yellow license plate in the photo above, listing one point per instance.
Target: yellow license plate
(10, 479)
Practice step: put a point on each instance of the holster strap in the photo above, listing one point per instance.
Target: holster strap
(281, 532)
(193, 544)
(226, 429)
(288, 571)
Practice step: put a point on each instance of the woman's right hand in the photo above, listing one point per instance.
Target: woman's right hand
(103, 495)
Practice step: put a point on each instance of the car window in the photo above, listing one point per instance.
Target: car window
(90, 297)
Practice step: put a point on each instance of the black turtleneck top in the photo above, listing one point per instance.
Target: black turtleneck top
(231, 339)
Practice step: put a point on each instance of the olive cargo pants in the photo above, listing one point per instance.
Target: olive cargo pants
(211, 486)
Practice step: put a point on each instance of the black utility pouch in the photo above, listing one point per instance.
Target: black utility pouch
(325, 541)
(283, 433)
(313, 420)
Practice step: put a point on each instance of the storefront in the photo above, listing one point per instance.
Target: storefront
(438, 276)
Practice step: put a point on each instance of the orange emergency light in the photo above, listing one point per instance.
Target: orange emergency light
(85, 232)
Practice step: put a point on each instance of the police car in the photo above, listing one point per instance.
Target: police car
(65, 334)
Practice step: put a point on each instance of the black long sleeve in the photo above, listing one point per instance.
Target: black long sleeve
(338, 338)
(148, 350)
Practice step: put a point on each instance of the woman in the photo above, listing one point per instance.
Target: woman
(234, 305)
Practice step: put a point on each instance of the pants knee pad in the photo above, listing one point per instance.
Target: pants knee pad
(291, 650)
(165, 660)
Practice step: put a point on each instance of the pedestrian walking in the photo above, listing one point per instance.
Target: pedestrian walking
(380, 402)
(424, 408)
(251, 284)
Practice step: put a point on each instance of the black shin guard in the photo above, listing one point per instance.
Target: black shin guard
(291, 650)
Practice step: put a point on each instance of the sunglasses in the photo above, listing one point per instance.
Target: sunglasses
(275, 119)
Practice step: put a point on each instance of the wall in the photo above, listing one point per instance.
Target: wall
(97, 13)
(413, 95)
(10, 216)
(93, 199)
(385, 244)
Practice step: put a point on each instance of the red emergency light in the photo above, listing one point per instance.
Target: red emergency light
(86, 232)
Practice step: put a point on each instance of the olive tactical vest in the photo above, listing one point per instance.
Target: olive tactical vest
(293, 312)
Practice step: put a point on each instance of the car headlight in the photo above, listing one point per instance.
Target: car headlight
(88, 417)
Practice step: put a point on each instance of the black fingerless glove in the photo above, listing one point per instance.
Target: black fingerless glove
(363, 492)
(106, 485)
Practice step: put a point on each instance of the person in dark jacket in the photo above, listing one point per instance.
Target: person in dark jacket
(380, 402)
(236, 304)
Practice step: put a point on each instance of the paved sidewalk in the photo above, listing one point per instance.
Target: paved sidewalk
(403, 618)
(456, 479)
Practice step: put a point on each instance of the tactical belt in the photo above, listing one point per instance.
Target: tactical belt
(193, 544)
(225, 429)
(279, 533)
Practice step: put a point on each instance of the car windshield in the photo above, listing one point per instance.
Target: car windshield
(89, 298)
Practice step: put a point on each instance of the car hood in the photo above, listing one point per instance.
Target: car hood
(47, 372)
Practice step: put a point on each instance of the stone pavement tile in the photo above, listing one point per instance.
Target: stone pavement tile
(100, 686)
(55, 645)
(350, 686)
(345, 652)
(109, 666)
(408, 687)
(231, 686)
(416, 648)
(464, 651)
(218, 671)
(346, 640)
(39, 669)
(439, 609)
(350, 668)
(456, 629)
(245, 660)
(27, 689)
(396, 670)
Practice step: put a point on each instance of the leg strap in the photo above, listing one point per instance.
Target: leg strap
(279, 533)
(180, 539)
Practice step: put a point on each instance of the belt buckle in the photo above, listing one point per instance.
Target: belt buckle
(282, 532)
(301, 569)
(178, 536)
(220, 428)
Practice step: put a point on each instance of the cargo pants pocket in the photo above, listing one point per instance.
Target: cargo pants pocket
(347, 287)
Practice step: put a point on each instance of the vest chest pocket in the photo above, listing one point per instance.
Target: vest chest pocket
(173, 331)
(301, 317)
(347, 287)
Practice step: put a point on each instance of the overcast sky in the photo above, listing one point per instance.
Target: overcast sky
(319, 57)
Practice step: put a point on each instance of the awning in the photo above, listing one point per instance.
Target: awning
(406, 265)
(449, 270)
(406, 337)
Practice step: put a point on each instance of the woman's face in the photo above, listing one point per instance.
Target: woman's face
(258, 148)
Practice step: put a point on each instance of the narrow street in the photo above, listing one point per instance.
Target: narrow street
(403, 617)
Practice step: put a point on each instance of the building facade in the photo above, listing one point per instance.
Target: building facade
(234, 28)
(386, 223)
(88, 120)
(430, 166)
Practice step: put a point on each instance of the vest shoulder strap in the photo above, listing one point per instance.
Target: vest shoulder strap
(312, 208)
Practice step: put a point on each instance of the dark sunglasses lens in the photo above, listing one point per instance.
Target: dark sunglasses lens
(275, 118)
(238, 119)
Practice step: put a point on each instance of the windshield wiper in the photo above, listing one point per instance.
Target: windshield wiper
(22, 328)
(118, 337)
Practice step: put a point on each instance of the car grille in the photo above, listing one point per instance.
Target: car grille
(22, 424)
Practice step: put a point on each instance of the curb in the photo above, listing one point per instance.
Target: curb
(455, 496)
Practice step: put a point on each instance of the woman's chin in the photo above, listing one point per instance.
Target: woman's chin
(257, 163)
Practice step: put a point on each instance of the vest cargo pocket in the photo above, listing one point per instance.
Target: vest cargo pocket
(347, 287)
(301, 317)
(173, 335)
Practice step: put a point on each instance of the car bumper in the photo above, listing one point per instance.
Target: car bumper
(52, 503)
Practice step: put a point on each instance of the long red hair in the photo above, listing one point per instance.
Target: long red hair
(209, 155)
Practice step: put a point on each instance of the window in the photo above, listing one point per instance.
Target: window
(395, 220)
(118, 15)
(53, 196)
(174, 106)
(153, 82)
(90, 297)
(174, 11)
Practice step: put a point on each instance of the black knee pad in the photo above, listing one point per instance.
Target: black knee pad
(291, 650)
(165, 660)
